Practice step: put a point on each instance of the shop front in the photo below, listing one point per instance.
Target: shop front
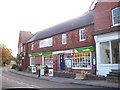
(43, 60)
(108, 52)
(83, 59)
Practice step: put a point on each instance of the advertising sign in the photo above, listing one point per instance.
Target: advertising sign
(41, 72)
(33, 69)
(50, 72)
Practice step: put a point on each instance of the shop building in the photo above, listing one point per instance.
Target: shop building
(67, 46)
(107, 36)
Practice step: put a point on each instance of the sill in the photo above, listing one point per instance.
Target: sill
(115, 25)
(80, 68)
(64, 43)
(82, 39)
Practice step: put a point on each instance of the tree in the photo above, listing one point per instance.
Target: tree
(6, 55)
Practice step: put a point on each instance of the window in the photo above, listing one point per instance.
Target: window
(82, 34)
(48, 61)
(32, 46)
(105, 52)
(45, 43)
(21, 47)
(116, 16)
(109, 52)
(82, 60)
(115, 51)
(64, 38)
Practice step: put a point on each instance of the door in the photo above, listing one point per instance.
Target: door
(62, 63)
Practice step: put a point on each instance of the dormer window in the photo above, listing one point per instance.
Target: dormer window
(116, 16)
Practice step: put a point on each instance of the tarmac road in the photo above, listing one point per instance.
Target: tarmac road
(14, 80)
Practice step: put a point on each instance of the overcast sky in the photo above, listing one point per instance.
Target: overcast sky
(35, 15)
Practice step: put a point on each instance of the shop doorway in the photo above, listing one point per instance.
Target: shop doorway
(62, 63)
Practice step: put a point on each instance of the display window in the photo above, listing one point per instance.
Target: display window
(48, 60)
(82, 60)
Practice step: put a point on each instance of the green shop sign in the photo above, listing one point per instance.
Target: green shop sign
(90, 48)
(40, 54)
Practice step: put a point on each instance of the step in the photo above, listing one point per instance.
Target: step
(113, 75)
(114, 72)
(113, 79)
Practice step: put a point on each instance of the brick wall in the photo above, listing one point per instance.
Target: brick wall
(72, 41)
(103, 14)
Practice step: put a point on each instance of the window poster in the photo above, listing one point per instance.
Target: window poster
(68, 62)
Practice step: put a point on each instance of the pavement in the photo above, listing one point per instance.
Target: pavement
(99, 83)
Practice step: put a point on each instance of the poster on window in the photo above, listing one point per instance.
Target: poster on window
(68, 63)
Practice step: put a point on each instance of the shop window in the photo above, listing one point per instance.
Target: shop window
(82, 60)
(105, 53)
(116, 16)
(64, 38)
(82, 35)
(48, 60)
(115, 52)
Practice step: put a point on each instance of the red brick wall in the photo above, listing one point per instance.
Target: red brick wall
(72, 41)
(103, 14)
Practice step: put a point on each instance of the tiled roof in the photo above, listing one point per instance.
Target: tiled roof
(84, 20)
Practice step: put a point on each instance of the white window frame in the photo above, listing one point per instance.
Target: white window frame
(46, 42)
(115, 16)
(32, 46)
(64, 38)
(73, 67)
(83, 29)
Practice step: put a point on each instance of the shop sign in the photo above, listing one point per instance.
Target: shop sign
(90, 48)
(41, 72)
(33, 69)
(51, 72)
(40, 54)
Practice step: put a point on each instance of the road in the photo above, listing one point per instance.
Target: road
(14, 80)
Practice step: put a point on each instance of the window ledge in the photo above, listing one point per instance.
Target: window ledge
(116, 25)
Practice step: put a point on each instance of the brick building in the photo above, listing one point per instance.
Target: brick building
(70, 46)
(107, 36)
(67, 46)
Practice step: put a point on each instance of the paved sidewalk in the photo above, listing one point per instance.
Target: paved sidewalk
(71, 81)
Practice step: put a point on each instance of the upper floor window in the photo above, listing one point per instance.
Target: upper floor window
(82, 34)
(21, 47)
(45, 43)
(64, 38)
(116, 16)
(32, 46)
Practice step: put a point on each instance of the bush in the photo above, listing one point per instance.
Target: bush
(14, 66)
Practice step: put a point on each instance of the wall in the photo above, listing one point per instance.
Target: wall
(72, 41)
(103, 15)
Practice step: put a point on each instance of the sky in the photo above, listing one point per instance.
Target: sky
(35, 15)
